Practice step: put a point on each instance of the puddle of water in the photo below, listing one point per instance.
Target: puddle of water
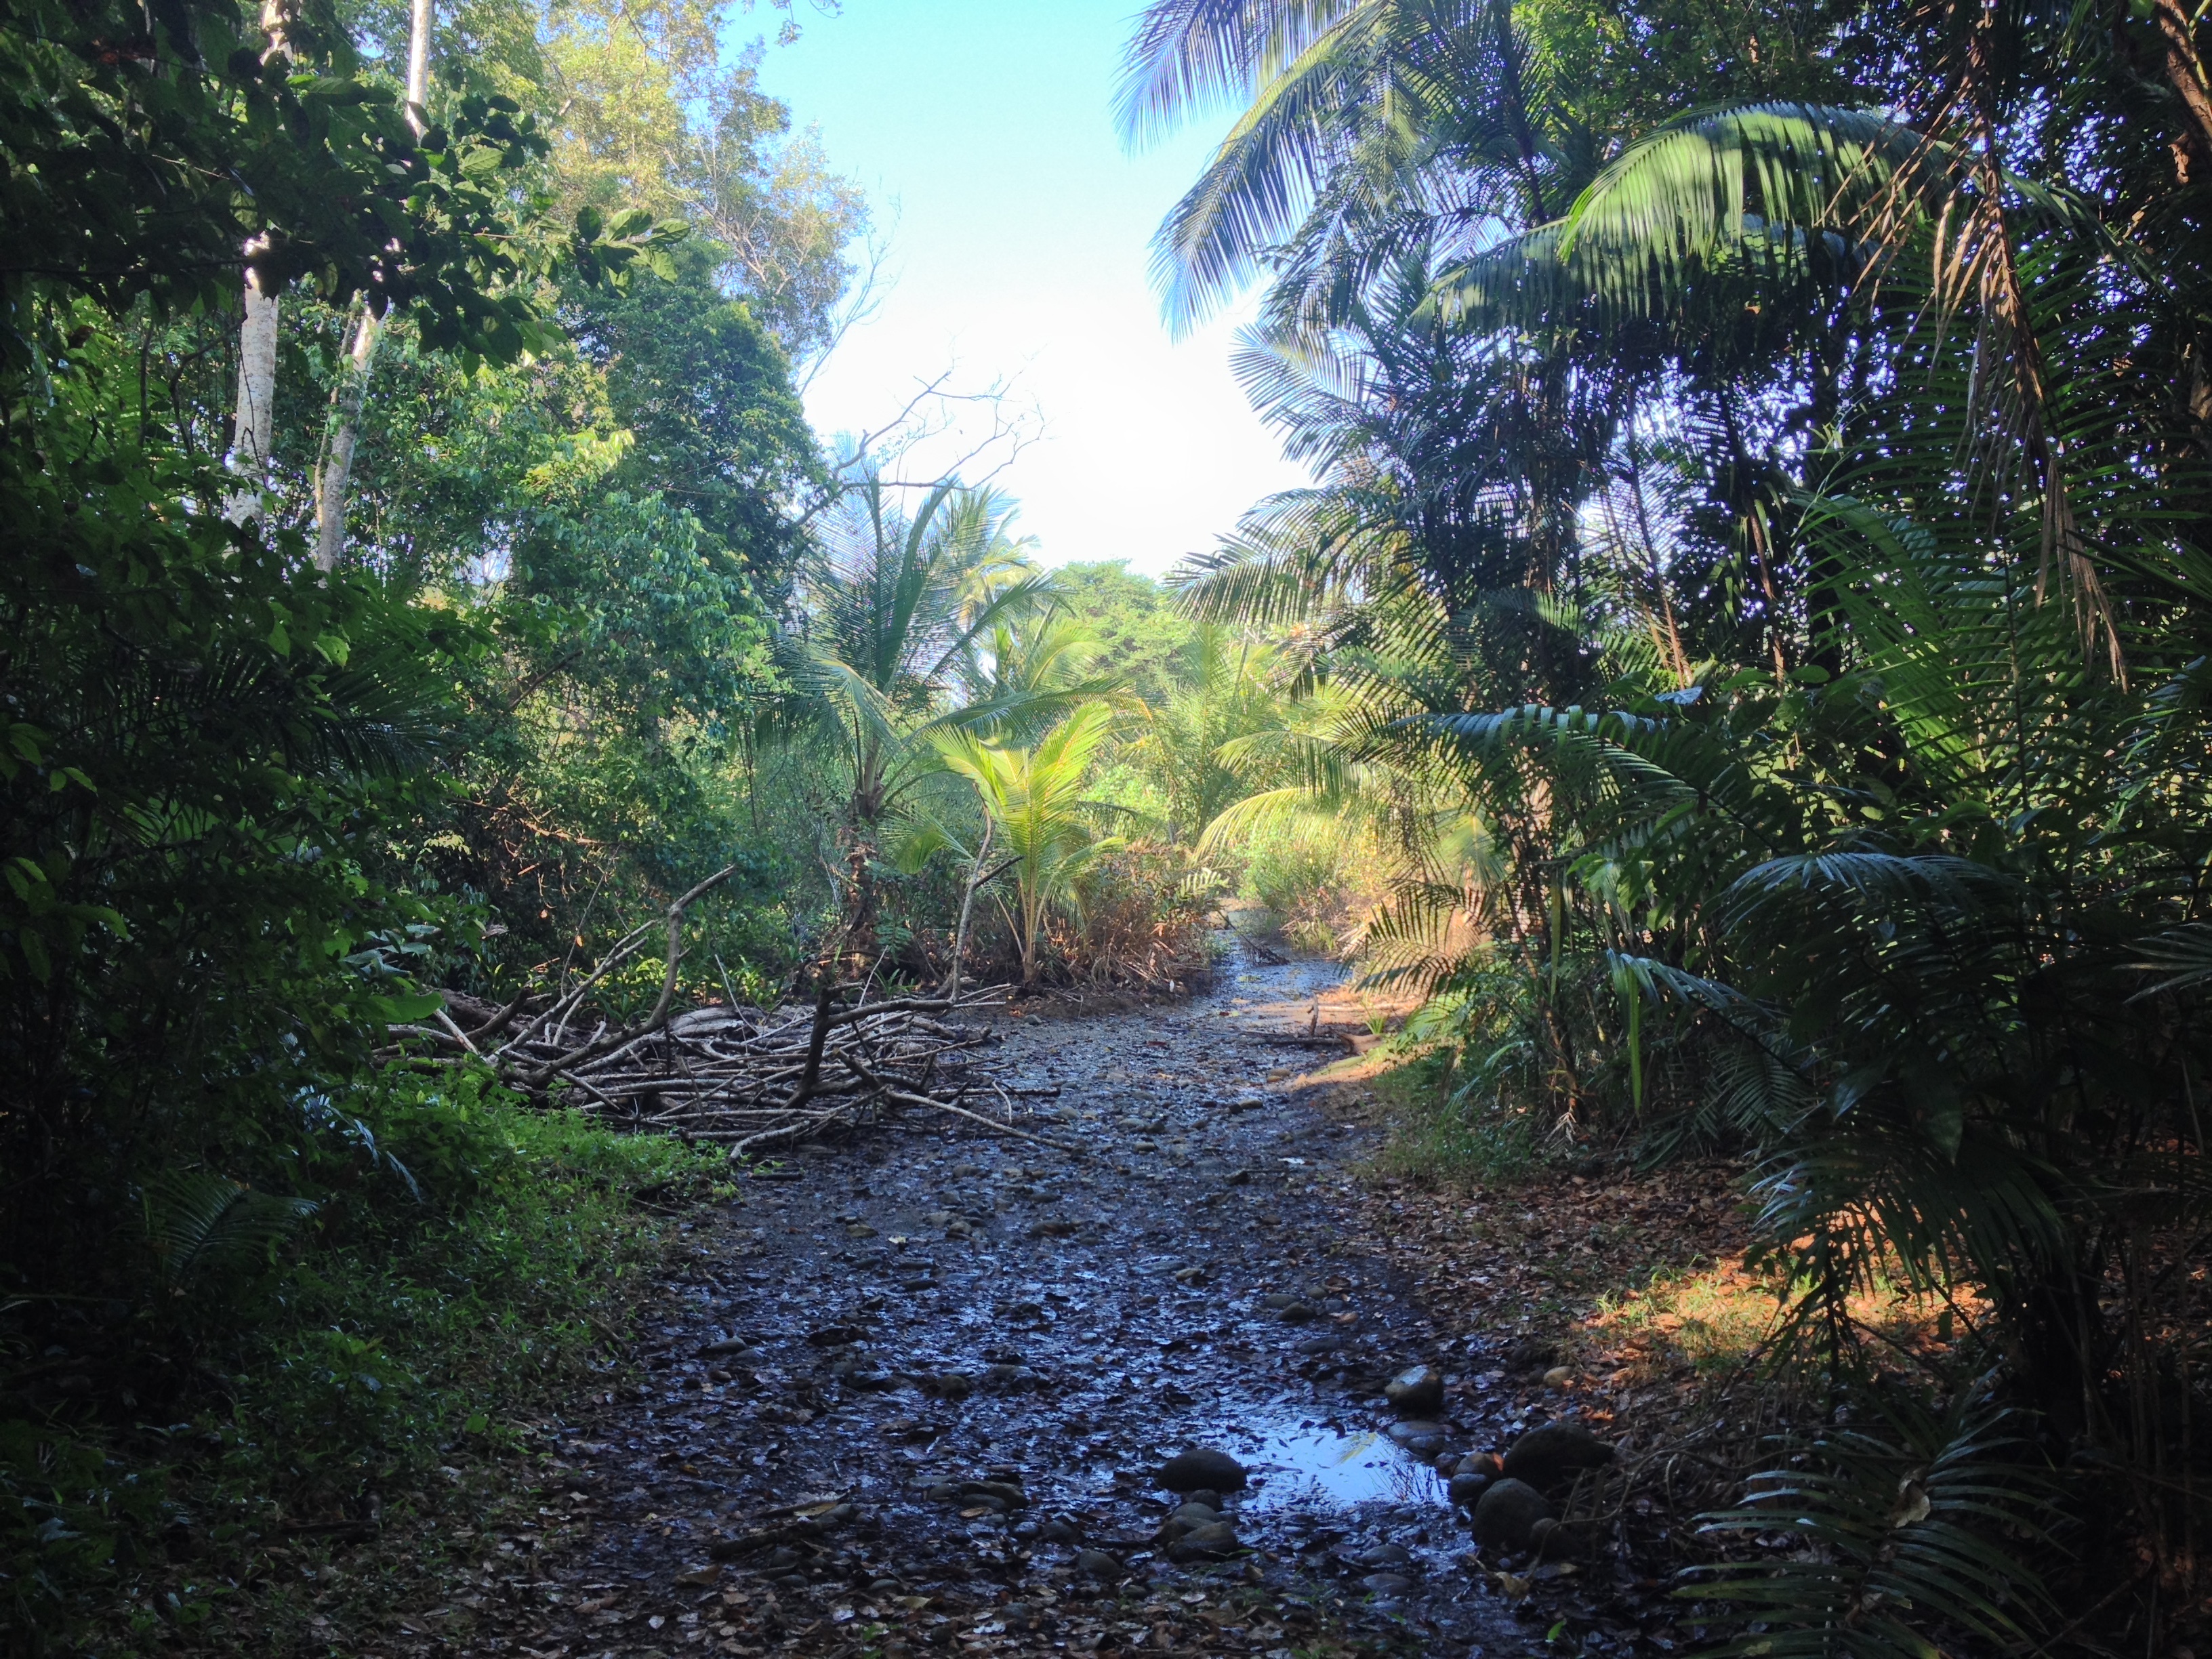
(1307, 1464)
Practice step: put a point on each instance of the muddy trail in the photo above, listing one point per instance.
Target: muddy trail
(927, 1384)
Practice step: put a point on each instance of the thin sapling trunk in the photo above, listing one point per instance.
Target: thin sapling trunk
(967, 899)
(352, 393)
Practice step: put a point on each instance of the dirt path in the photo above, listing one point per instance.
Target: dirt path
(928, 1380)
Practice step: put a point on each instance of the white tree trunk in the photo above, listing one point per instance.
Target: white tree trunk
(349, 395)
(255, 425)
(418, 64)
(352, 393)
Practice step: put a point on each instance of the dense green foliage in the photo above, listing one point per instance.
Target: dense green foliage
(1756, 579)
(253, 808)
(1752, 611)
(401, 641)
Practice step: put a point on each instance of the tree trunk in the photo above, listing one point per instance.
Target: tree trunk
(255, 423)
(419, 19)
(253, 427)
(967, 899)
(351, 394)
(347, 397)
(2184, 70)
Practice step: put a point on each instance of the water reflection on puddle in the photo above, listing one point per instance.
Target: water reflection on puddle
(1304, 1463)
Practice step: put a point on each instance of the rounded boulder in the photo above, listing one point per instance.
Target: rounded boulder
(1418, 1392)
(1550, 1456)
(1507, 1514)
(1202, 1468)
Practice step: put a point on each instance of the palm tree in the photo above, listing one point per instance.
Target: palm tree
(1033, 805)
(1030, 668)
(1181, 747)
(1689, 519)
(894, 605)
(1360, 121)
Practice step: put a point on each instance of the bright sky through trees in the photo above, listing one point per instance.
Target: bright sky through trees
(984, 133)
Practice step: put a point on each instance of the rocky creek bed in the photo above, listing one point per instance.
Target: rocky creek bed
(925, 1386)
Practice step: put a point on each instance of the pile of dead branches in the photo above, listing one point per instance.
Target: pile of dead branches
(746, 1077)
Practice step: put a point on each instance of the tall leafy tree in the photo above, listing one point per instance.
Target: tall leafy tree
(1741, 510)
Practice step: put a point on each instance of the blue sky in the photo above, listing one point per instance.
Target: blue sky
(984, 133)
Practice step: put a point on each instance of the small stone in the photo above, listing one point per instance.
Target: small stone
(1508, 1513)
(1060, 1228)
(1558, 1376)
(1418, 1392)
(1298, 1313)
(1386, 1584)
(1003, 1491)
(1276, 1301)
(1480, 1463)
(1422, 1439)
(1206, 1543)
(1057, 1531)
(1202, 1467)
(837, 1336)
(1188, 1518)
(1207, 1496)
(1554, 1454)
(1098, 1564)
(1385, 1555)
(1327, 1342)
(735, 1347)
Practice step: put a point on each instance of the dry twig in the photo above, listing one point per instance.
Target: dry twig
(743, 1077)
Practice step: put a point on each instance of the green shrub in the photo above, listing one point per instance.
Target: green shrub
(472, 1261)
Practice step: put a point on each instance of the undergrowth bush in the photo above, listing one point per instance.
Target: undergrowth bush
(470, 1261)
(1318, 886)
(1445, 1132)
(1140, 920)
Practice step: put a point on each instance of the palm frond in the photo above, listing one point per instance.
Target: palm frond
(202, 1224)
(1899, 1534)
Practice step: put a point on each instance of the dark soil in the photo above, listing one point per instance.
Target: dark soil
(928, 1380)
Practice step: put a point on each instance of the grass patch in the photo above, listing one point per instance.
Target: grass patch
(323, 1433)
(1712, 1317)
(1438, 1135)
